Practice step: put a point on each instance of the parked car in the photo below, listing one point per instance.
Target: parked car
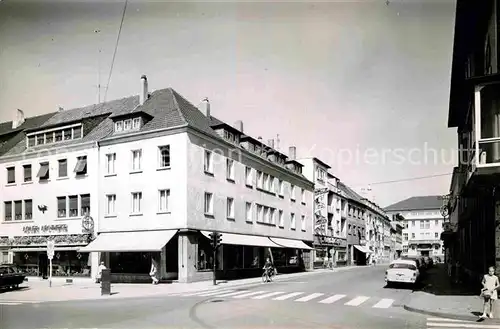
(10, 276)
(402, 271)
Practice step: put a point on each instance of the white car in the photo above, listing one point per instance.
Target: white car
(402, 271)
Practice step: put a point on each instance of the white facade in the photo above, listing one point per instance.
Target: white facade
(422, 232)
(46, 216)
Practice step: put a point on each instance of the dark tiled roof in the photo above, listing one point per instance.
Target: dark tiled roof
(417, 203)
(12, 137)
(350, 192)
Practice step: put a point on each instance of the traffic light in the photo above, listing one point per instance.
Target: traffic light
(215, 239)
(218, 239)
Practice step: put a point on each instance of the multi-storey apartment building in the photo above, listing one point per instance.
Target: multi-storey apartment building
(378, 233)
(330, 227)
(396, 238)
(48, 189)
(357, 251)
(474, 205)
(171, 173)
(422, 225)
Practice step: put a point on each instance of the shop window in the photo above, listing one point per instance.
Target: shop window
(251, 257)
(233, 257)
(205, 261)
(130, 262)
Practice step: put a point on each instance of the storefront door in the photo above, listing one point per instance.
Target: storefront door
(43, 264)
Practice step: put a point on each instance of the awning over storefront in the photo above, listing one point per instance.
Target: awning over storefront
(244, 240)
(362, 249)
(130, 241)
(289, 243)
(35, 249)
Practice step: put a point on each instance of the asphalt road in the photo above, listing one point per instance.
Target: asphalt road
(351, 299)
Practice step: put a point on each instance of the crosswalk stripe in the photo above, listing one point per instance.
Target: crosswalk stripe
(268, 295)
(250, 294)
(232, 293)
(332, 299)
(384, 303)
(214, 293)
(307, 298)
(9, 303)
(357, 301)
(293, 294)
(462, 325)
(444, 320)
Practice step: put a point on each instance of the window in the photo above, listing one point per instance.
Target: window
(413, 235)
(136, 202)
(281, 219)
(405, 236)
(208, 165)
(63, 168)
(110, 204)
(436, 222)
(292, 221)
(31, 141)
(119, 126)
(273, 216)
(248, 212)
(266, 182)
(230, 169)
(77, 132)
(260, 182)
(81, 165)
(209, 203)
(11, 175)
(40, 139)
(292, 192)
(18, 210)
(422, 224)
(163, 200)
(303, 222)
(281, 188)
(248, 176)
(303, 196)
(110, 163)
(230, 208)
(73, 205)
(8, 210)
(27, 173)
(43, 173)
(427, 224)
(61, 207)
(436, 235)
(260, 213)
(58, 136)
(321, 174)
(127, 124)
(136, 124)
(164, 152)
(67, 134)
(85, 204)
(266, 215)
(136, 160)
(28, 209)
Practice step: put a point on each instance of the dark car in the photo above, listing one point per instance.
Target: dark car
(10, 276)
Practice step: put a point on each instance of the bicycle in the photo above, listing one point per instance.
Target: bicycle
(268, 275)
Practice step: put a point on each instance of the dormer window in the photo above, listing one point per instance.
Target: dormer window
(59, 136)
(136, 124)
(119, 126)
(54, 135)
(127, 124)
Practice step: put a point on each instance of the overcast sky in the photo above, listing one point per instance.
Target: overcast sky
(360, 84)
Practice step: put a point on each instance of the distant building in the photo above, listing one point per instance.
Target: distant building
(422, 225)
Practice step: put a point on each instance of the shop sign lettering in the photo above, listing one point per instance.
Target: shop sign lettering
(35, 229)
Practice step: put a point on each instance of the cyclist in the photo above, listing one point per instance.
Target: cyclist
(268, 268)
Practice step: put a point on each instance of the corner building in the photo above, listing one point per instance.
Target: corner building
(170, 173)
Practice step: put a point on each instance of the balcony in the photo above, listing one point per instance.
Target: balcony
(481, 154)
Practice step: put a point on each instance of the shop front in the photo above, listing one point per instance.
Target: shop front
(327, 247)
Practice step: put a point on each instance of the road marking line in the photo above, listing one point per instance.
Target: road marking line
(214, 293)
(9, 303)
(463, 325)
(268, 295)
(232, 293)
(250, 294)
(331, 299)
(384, 303)
(357, 301)
(445, 320)
(293, 294)
(308, 298)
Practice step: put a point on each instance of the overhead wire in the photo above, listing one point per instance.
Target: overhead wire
(410, 179)
(115, 51)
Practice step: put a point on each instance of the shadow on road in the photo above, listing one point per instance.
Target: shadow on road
(435, 281)
(3, 291)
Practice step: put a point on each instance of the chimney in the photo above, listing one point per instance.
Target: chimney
(144, 90)
(270, 143)
(205, 107)
(292, 152)
(60, 109)
(239, 125)
(18, 119)
(259, 139)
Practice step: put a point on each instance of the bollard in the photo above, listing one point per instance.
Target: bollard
(106, 282)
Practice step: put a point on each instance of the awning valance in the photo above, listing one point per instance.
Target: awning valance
(289, 243)
(362, 249)
(244, 240)
(130, 241)
(33, 249)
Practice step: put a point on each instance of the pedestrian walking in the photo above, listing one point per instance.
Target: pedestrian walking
(489, 292)
(154, 273)
(99, 272)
